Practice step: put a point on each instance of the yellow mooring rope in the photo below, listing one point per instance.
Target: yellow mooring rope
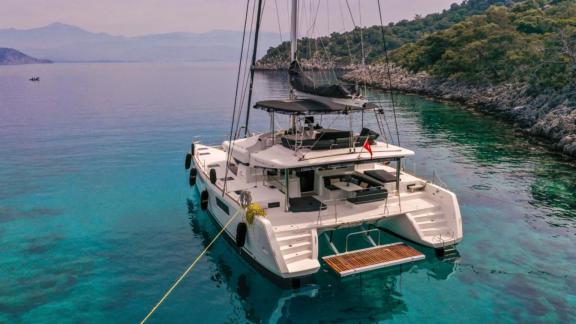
(189, 268)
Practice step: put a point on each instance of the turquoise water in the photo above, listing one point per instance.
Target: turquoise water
(97, 219)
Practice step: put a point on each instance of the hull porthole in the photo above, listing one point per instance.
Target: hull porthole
(212, 176)
(192, 179)
(241, 231)
(188, 161)
(204, 200)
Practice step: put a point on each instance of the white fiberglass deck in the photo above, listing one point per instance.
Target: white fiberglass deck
(285, 241)
(338, 212)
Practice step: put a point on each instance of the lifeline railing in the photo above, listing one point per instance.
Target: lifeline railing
(365, 232)
(437, 181)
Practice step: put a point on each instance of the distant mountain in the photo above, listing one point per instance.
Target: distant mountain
(65, 43)
(10, 56)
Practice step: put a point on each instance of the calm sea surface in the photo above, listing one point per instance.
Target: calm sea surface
(97, 219)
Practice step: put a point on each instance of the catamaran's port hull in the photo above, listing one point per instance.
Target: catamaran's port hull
(259, 248)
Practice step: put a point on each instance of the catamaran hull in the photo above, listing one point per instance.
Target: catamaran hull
(258, 249)
(430, 216)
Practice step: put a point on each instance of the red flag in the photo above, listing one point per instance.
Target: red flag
(367, 147)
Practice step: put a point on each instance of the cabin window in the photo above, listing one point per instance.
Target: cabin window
(233, 168)
(274, 204)
(223, 206)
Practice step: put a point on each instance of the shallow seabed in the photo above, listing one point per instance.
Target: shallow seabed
(97, 219)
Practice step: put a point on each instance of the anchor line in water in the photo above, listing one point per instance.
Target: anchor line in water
(185, 273)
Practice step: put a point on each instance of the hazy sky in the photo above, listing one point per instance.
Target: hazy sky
(136, 17)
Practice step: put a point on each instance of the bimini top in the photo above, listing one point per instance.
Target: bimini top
(309, 107)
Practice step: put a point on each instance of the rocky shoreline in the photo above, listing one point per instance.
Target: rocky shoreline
(306, 65)
(551, 117)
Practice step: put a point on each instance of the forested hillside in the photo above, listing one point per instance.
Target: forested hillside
(345, 48)
(531, 42)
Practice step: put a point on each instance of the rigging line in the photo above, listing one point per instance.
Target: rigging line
(367, 78)
(190, 267)
(345, 34)
(313, 18)
(353, 21)
(307, 17)
(278, 20)
(363, 63)
(351, 15)
(245, 71)
(329, 58)
(244, 80)
(388, 70)
(362, 46)
(383, 112)
(236, 96)
(328, 39)
(385, 122)
(327, 18)
(253, 64)
(326, 74)
(379, 123)
(245, 75)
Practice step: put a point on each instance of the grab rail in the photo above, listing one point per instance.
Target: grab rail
(365, 233)
(325, 203)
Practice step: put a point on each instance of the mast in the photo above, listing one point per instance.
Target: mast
(294, 31)
(253, 64)
(293, 50)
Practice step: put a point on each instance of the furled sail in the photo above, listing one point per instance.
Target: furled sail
(300, 82)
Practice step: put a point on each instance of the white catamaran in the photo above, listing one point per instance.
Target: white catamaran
(278, 193)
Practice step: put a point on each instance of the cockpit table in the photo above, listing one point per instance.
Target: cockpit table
(347, 186)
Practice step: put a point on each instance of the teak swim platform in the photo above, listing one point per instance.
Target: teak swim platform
(372, 258)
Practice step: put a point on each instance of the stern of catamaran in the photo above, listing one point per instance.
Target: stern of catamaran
(316, 181)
